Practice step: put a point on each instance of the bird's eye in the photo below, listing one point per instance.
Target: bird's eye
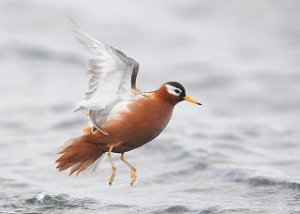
(177, 91)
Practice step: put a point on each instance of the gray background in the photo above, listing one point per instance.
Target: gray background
(238, 153)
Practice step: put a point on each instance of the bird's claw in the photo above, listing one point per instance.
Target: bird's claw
(133, 175)
(112, 175)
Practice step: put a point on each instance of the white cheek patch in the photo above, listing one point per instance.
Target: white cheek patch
(171, 90)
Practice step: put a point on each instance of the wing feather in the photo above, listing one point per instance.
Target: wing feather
(112, 79)
(111, 73)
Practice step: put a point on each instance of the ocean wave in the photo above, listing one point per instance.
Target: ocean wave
(174, 209)
(47, 203)
(235, 175)
(38, 52)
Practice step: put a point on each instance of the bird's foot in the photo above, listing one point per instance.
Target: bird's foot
(112, 175)
(133, 175)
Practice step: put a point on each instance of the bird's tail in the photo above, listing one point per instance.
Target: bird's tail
(79, 154)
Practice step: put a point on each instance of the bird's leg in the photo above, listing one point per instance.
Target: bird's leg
(113, 168)
(133, 172)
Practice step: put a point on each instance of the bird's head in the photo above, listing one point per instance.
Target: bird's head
(175, 93)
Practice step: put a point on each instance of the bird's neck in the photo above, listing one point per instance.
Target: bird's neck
(164, 96)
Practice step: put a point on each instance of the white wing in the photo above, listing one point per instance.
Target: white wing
(112, 78)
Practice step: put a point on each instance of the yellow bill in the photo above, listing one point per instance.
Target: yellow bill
(191, 100)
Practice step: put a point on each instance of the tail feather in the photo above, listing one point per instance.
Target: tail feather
(78, 154)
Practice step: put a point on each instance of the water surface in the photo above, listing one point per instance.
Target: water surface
(238, 153)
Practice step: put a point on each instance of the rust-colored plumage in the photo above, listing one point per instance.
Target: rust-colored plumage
(79, 154)
(118, 124)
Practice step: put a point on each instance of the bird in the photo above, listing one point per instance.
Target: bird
(121, 117)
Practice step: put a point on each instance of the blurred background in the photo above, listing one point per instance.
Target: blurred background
(238, 153)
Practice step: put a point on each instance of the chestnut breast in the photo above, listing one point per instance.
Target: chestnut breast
(140, 123)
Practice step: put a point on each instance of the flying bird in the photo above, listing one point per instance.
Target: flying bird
(122, 117)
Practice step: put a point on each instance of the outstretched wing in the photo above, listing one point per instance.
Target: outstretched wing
(112, 74)
(112, 78)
